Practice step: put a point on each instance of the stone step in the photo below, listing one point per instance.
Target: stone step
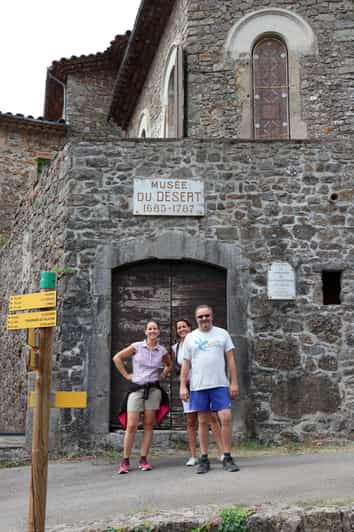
(12, 441)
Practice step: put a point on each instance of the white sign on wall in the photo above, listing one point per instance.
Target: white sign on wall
(168, 197)
(281, 281)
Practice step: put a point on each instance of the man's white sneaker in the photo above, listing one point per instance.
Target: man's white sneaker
(192, 461)
(221, 458)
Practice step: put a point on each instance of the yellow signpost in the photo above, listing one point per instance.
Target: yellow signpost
(29, 301)
(31, 320)
(32, 338)
(65, 400)
(41, 361)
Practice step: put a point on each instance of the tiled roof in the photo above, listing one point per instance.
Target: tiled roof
(111, 59)
(20, 120)
(144, 40)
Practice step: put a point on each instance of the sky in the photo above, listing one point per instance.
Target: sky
(34, 33)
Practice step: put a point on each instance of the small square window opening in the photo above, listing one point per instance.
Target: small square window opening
(331, 287)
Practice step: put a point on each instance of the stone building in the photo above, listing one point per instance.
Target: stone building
(237, 118)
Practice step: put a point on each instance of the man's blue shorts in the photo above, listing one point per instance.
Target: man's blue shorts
(212, 399)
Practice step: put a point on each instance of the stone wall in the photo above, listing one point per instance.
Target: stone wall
(36, 244)
(88, 98)
(333, 518)
(265, 201)
(151, 96)
(20, 149)
(218, 87)
(273, 201)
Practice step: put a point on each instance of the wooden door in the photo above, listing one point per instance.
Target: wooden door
(165, 291)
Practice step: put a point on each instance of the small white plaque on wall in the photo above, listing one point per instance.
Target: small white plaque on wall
(168, 197)
(281, 281)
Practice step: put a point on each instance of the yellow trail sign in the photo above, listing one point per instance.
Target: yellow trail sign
(65, 399)
(30, 320)
(33, 338)
(30, 301)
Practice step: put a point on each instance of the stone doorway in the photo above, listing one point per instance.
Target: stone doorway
(165, 290)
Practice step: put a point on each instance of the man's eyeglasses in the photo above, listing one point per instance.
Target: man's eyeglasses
(203, 316)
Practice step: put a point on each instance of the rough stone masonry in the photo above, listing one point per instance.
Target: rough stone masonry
(269, 201)
(287, 201)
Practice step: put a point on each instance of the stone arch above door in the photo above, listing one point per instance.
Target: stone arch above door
(176, 245)
(170, 245)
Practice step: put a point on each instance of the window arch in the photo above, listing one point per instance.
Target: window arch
(170, 120)
(299, 39)
(173, 95)
(144, 125)
(270, 89)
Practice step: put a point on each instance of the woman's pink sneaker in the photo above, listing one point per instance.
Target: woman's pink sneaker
(144, 465)
(124, 466)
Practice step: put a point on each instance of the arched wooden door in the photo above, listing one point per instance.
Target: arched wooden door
(166, 291)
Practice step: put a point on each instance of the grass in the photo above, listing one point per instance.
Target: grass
(114, 455)
(245, 449)
(231, 520)
(257, 448)
(320, 503)
(8, 465)
(145, 527)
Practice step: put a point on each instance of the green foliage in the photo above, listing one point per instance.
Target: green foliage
(3, 239)
(7, 465)
(62, 270)
(114, 455)
(254, 445)
(180, 444)
(204, 528)
(42, 165)
(232, 520)
(146, 527)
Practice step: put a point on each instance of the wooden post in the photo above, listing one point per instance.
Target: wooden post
(41, 417)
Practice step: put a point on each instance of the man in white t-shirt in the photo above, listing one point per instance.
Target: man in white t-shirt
(205, 350)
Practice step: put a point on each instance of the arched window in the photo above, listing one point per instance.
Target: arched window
(171, 105)
(270, 89)
(173, 95)
(144, 125)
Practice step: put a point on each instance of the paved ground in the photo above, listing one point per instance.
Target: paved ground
(91, 490)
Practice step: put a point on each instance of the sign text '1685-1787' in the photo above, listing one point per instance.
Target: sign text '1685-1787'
(169, 197)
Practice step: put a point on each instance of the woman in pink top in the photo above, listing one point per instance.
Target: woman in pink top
(148, 357)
